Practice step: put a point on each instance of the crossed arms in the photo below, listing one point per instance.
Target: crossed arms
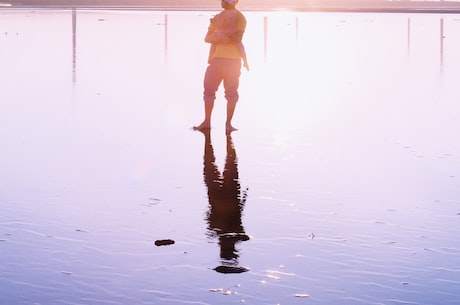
(211, 37)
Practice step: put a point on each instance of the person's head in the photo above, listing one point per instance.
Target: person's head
(229, 4)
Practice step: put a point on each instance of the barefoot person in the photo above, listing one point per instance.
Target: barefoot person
(225, 35)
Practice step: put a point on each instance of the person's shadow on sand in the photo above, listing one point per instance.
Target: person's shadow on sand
(226, 203)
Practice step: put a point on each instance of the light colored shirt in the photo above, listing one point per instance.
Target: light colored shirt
(226, 23)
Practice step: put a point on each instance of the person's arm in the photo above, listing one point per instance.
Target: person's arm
(211, 37)
(236, 37)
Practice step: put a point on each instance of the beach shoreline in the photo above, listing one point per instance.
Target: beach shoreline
(449, 7)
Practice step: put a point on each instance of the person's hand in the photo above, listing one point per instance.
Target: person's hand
(217, 38)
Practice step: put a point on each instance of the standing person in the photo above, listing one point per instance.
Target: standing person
(225, 34)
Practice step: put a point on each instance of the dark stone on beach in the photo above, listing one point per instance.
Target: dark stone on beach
(164, 242)
(231, 269)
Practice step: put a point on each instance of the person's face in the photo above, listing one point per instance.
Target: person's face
(226, 5)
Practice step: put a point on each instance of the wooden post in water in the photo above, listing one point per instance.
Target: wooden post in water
(297, 28)
(408, 37)
(166, 36)
(441, 38)
(265, 37)
(74, 45)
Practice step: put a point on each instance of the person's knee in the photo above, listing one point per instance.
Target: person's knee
(209, 96)
(232, 96)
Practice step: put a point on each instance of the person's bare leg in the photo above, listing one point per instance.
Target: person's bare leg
(230, 111)
(206, 124)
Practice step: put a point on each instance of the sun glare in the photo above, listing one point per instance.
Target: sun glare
(291, 74)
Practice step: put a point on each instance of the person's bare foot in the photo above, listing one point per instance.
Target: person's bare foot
(229, 128)
(202, 126)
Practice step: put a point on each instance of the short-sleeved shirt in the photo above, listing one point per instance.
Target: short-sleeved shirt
(230, 50)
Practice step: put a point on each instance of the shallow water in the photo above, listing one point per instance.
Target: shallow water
(346, 177)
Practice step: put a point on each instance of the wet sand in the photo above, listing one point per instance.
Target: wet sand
(342, 180)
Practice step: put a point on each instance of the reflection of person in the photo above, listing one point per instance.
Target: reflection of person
(225, 34)
(226, 203)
